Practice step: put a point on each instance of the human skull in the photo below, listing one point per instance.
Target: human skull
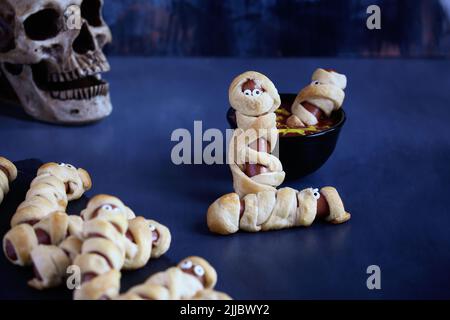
(51, 53)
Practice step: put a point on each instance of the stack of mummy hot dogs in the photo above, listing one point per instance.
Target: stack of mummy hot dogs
(256, 204)
(107, 237)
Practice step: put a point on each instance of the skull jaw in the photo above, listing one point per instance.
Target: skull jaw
(70, 112)
(41, 106)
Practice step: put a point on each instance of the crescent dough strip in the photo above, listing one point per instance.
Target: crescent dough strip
(256, 122)
(193, 278)
(50, 265)
(269, 210)
(8, 173)
(104, 287)
(326, 92)
(52, 230)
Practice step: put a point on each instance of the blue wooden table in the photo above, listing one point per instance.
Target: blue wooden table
(391, 166)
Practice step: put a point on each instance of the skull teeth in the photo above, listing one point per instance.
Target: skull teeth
(77, 74)
(81, 93)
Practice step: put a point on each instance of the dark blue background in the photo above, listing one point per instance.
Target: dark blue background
(391, 166)
(278, 28)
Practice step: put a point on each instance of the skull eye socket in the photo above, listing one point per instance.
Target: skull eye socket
(43, 25)
(91, 11)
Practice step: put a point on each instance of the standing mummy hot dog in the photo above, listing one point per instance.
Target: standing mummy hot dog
(8, 173)
(254, 168)
(318, 100)
(274, 210)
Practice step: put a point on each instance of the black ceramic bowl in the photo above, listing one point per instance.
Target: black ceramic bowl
(303, 155)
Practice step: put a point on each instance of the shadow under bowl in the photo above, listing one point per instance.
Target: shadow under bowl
(303, 155)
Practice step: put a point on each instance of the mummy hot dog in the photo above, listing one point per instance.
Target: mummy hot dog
(193, 278)
(254, 168)
(50, 191)
(8, 173)
(151, 238)
(318, 100)
(269, 210)
(112, 242)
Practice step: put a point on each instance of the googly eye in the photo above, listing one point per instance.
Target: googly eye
(187, 264)
(316, 194)
(199, 271)
(61, 164)
(70, 166)
(107, 207)
(152, 227)
(256, 93)
(316, 83)
(248, 92)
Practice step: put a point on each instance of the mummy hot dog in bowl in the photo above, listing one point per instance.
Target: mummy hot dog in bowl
(309, 123)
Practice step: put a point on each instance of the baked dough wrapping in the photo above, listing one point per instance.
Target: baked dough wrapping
(42, 234)
(325, 92)
(50, 264)
(50, 191)
(269, 210)
(76, 181)
(8, 173)
(19, 242)
(104, 247)
(193, 278)
(255, 98)
(49, 246)
(151, 238)
(111, 242)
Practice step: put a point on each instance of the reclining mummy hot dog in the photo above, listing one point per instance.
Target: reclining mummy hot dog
(274, 210)
(318, 100)
(194, 279)
(254, 168)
